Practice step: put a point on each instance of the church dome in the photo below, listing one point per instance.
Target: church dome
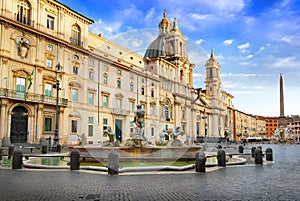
(157, 47)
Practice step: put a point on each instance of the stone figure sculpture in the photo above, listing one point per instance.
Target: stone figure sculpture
(108, 132)
(139, 120)
(175, 134)
(23, 48)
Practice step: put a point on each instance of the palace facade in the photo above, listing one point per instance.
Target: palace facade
(51, 64)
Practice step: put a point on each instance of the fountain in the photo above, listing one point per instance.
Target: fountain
(137, 147)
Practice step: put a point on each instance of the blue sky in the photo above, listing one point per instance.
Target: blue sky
(253, 40)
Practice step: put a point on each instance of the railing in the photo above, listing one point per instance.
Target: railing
(24, 20)
(75, 41)
(8, 93)
(118, 111)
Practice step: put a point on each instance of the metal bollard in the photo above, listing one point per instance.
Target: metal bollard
(258, 156)
(269, 154)
(1, 153)
(200, 161)
(58, 148)
(11, 149)
(241, 149)
(17, 162)
(252, 151)
(74, 160)
(113, 163)
(221, 156)
(44, 149)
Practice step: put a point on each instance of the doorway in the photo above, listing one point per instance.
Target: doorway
(19, 125)
(118, 129)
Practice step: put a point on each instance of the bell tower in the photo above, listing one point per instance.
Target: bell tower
(214, 97)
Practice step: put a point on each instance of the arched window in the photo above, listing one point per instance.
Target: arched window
(75, 35)
(23, 12)
(167, 111)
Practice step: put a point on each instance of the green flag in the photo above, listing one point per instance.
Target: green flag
(30, 79)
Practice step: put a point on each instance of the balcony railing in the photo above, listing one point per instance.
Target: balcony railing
(31, 97)
(75, 41)
(117, 111)
(24, 20)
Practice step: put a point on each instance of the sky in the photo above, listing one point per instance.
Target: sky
(253, 41)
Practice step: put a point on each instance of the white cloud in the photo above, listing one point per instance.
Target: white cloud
(287, 62)
(198, 16)
(243, 46)
(249, 56)
(228, 42)
(198, 42)
(238, 75)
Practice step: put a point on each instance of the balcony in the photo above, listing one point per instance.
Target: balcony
(31, 97)
(75, 41)
(118, 111)
(24, 20)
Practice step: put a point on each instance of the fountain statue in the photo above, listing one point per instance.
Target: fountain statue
(108, 132)
(138, 138)
(283, 134)
(175, 134)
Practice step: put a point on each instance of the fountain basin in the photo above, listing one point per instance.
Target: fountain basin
(152, 153)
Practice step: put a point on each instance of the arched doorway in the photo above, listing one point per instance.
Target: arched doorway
(19, 125)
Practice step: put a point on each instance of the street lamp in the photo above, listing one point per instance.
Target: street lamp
(57, 146)
(205, 130)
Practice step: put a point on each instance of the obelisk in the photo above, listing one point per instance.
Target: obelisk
(282, 119)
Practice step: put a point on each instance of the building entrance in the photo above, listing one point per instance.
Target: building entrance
(118, 129)
(19, 125)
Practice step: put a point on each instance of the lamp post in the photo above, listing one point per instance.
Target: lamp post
(205, 131)
(57, 146)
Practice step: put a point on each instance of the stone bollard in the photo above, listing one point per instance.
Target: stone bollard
(258, 156)
(200, 161)
(241, 149)
(252, 151)
(221, 156)
(11, 149)
(269, 154)
(44, 149)
(74, 160)
(17, 162)
(113, 163)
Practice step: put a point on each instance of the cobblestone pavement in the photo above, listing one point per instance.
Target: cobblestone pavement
(277, 181)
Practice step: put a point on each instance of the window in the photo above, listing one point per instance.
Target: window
(131, 87)
(20, 87)
(75, 35)
(143, 91)
(90, 130)
(152, 93)
(119, 84)
(75, 56)
(105, 101)
(49, 63)
(75, 70)
(23, 14)
(74, 126)
(105, 68)
(91, 75)
(131, 106)
(91, 120)
(152, 131)
(104, 121)
(47, 124)
(48, 90)
(131, 127)
(75, 95)
(91, 98)
(119, 72)
(152, 109)
(131, 76)
(167, 111)
(91, 63)
(50, 47)
(143, 80)
(105, 79)
(50, 22)
(119, 105)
